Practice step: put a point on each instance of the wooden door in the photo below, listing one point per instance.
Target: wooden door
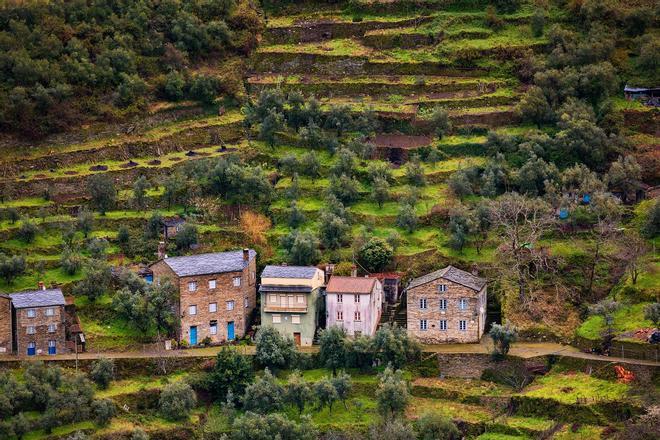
(296, 338)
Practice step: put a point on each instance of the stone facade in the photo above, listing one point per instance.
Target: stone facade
(212, 305)
(5, 325)
(453, 313)
(42, 326)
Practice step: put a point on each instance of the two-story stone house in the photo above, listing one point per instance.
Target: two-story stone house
(5, 325)
(38, 322)
(291, 300)
(217, 293)
(355, 304)
(448, 305)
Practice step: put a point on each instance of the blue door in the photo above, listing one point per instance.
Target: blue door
(230, 331)
(193, 335)
(52, 348)
(149, 279)
(32, 349)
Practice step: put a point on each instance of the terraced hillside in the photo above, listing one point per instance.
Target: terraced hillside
(399, 61)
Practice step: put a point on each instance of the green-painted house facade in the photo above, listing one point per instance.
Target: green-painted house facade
(292, 301)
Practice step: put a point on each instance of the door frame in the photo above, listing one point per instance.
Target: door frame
(193, 329)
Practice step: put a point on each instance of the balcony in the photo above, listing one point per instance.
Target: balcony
(279, 308)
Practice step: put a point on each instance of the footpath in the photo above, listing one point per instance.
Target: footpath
(521, 349)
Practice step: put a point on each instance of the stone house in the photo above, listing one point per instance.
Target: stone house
(448, 305)
(171, 226)
(291, 300)
(5, 325)
(38, 322)
(216, 293)
(354, 304)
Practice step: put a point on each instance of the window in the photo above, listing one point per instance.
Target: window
(31, 330)
(52, 343)
(192, 310)
(277, 319)
(357, 298)
(272, 298)
(213, 307)
(463, 303)
(295, 319)
(212, 284)
(31, 313)
(443, 304)
(422, 324)
(237, 281)
(52, 328)
(442, 288)
(300, 299)
(462, 325)
(443, 324)
(50, 311)
(340, 316)
(213, 327)
(192, 286)
(340, 298)
(422, 303)
(230, 305)
(358, 316)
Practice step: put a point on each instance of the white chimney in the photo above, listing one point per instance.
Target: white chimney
(42, 285)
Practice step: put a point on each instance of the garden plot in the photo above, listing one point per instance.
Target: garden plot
(374, 85)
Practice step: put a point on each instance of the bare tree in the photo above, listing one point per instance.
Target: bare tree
(520, 222)
(633, 250)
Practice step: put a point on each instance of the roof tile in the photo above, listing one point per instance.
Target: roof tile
(339, 284)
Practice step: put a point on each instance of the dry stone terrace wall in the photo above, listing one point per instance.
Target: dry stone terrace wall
(188, 139)
(320, 30)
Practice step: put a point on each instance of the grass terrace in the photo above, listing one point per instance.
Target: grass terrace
(571, 387)
(627, 318)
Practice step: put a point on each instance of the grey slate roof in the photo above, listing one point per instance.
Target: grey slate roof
(292, 289)
(204, 264)
(302, 272)
(37, 298)
(453, 274)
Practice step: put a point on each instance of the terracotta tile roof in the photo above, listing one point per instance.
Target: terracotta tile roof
(339, 284)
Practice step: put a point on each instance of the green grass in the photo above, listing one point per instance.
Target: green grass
(31, 280)
(447, 408)
(569, 387)
(60, 431)
(499, 436)
(30, 202)
(336, 47)
(627, 318)
(135, 384)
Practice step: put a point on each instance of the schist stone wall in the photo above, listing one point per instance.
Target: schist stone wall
(5, 325)
(45, 328)
(424, 302)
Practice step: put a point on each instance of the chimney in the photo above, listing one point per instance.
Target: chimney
(246, 254)
(475, 270)
(161, 250)
(354, 271)
(42, 285)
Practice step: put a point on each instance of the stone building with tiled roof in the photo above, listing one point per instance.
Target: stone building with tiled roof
(217, 293)
(354, 304)
(292, 301)
(448, 305)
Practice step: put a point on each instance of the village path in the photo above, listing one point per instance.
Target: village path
(520, 349)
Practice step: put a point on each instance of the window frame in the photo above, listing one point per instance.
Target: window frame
(442, 325)
(31, 330)
(463, 303)
(52, 328)
(50, 311)
(423, 303)
(31, 313)
(192, 286)
(213, 307)
(192, 307)
(230, 305)
(462, 325)
(443, 304)
(423, 325)
(213, 284)
(277, 319)
(340, 298)
(295, 318)
(340, 315)
(235, 282)
(442, 288)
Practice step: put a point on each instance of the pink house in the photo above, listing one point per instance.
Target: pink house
(354, 304)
